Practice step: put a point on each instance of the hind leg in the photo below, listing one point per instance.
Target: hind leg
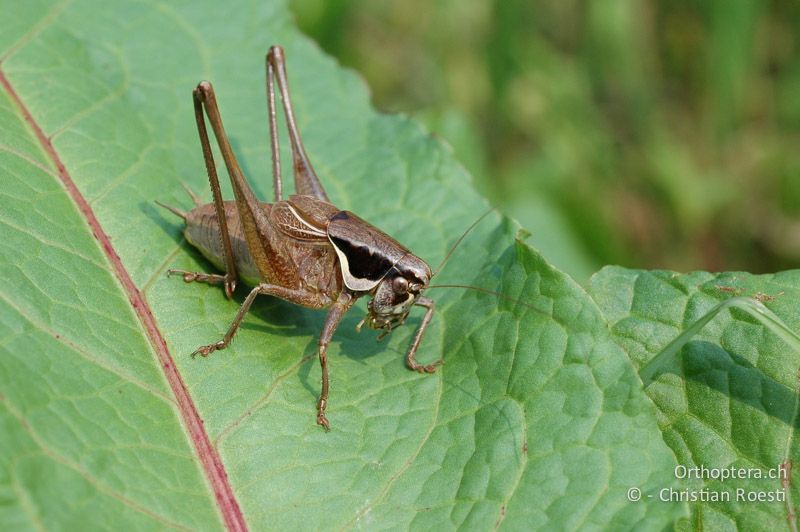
(305, 178)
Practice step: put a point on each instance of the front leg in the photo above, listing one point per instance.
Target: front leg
(411, 360)
(338, 310)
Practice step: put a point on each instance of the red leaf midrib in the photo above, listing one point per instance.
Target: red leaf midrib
(209, 458)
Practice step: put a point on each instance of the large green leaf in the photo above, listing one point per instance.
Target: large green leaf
(537, 418)
(729, 397)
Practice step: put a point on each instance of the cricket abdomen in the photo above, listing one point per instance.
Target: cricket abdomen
(310, 267)
(202, 231)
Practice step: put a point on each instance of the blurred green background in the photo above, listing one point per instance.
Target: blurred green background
(647, 133)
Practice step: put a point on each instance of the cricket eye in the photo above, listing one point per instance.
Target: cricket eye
(400, 285)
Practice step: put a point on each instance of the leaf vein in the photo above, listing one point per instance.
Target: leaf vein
(36, 29)
(25, 157)
(91, 479)
(210, 461)
(82, 352)
(384, 492)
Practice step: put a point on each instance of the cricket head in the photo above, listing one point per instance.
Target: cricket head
(397, 292)
(373, 263)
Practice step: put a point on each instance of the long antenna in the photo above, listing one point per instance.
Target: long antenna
(458, 242)
(486, 291)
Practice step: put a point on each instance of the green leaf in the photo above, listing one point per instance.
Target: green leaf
(727, 392)
(537, 418)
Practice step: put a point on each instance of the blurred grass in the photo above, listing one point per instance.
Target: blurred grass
(649, 133)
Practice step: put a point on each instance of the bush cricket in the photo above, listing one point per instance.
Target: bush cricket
(301, 249)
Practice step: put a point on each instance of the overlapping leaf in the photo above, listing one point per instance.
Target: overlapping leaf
(729, 398)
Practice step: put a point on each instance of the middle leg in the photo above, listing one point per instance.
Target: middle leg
(338, 310)
(300, 297)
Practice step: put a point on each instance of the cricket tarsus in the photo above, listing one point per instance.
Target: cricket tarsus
(305, 250)
(199, 277)
(205, 350)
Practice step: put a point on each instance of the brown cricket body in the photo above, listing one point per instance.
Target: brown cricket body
(296, 264)
(301, 249)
